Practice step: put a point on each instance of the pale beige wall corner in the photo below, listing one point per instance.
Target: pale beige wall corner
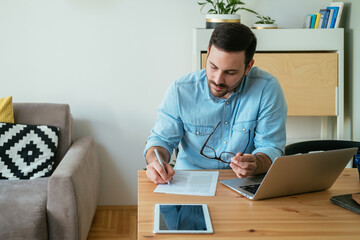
(351, 26)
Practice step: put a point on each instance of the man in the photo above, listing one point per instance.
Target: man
(230, 115)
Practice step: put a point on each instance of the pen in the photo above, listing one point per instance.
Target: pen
(159, 160)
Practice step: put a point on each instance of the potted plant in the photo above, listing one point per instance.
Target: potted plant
(264, 23)
(223, 11)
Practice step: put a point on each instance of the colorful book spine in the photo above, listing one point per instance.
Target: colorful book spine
(333, 20)
(340, 5)
(317, 20)
(321, 20)
(324, 18)
(331, 14)
(312, 21)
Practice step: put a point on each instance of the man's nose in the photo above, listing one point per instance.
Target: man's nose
(219, 78)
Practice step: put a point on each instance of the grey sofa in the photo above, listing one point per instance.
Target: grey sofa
(61, 206)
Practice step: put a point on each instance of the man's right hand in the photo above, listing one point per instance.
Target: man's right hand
(154, 170)
(156, 173)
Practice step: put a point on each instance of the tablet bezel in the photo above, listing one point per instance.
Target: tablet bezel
(207, 218)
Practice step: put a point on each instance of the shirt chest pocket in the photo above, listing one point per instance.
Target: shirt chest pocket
(245, 127)
(243, 135)
(197, 134)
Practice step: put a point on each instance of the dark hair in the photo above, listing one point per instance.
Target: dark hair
(234, 37)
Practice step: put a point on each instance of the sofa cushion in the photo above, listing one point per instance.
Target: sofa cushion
(52, 114)
(27, 151)
(6, 110)
(23, 209)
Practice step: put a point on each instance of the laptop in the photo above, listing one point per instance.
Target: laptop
(294, 174)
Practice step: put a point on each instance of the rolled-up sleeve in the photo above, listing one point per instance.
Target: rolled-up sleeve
(168, 129)
(270, 135)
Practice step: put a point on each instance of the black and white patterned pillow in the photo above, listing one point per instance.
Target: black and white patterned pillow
(27, 151)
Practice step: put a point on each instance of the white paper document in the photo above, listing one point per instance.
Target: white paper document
(201, 183)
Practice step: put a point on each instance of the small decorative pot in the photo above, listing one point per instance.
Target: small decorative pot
(265, 26)
(212, 20)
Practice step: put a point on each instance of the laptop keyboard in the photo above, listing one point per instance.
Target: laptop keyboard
(251, 188)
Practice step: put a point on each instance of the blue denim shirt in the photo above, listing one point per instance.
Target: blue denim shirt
(189, 113)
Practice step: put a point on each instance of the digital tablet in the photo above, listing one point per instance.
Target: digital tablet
(182, 218)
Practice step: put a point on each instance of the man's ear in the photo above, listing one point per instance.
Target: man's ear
(249, 66)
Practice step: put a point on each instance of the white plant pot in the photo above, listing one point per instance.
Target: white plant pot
(212, 20)
(265, 26)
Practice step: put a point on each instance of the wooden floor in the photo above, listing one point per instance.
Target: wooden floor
(114, 222)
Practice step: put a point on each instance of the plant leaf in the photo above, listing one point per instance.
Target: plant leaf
(224, 6)
(249, 10)
(222, 9)
(212, 11)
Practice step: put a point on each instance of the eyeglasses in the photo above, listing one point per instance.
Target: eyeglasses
(224, 157)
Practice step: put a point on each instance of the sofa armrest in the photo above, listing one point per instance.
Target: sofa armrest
(73, 192)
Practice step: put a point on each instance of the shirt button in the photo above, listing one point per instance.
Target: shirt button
(226, 123)
(244, 129)
(225, 142)
(197, 133)
(227, 102)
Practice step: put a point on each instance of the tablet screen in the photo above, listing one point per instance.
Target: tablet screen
(182, 218)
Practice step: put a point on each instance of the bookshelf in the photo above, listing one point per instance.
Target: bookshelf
(309, 64)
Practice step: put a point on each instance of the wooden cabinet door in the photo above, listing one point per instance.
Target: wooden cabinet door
(309, 80)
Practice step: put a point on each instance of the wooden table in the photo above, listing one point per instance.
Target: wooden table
(302, 216)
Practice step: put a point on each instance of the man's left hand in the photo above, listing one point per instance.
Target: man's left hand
(250, 165)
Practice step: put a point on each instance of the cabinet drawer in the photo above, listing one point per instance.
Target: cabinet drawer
(309, 80)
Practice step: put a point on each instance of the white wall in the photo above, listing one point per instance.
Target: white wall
(112, 61)
(351, 24)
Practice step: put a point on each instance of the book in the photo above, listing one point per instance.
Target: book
(333, 20)
(340, 5)
(307, 21)
(330, 17)
(317, 20)
(321, 20)
(324, 18)
(356, 197)
(312, 21)
(347, 202)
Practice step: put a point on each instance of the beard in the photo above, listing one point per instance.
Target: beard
(221, 90)
(218, 90)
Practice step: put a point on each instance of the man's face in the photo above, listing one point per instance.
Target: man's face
(225, 71)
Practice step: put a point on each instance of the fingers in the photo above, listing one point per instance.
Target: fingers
(244, 165)
(244, 158)
(154, 176)
(169, 169)
(163, 174)
(156, 173)
(245, 162)
(240, 173)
